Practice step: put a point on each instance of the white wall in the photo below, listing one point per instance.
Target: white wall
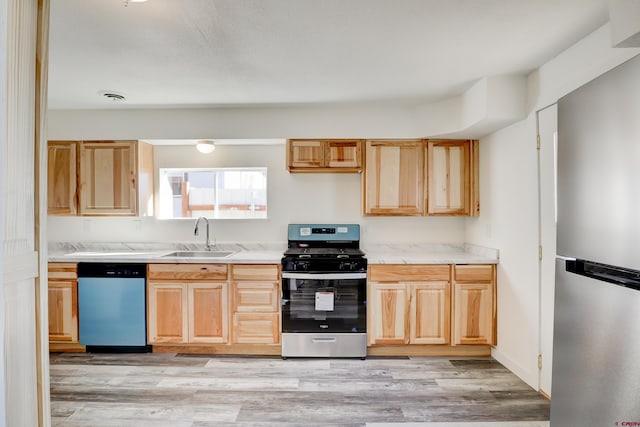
(491, 103)
(508, 221)
(509, 207)
(291, 198)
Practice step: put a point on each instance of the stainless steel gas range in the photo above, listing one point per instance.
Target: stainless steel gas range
(324, 292)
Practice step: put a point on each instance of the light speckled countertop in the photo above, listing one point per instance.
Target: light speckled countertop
(157, 253)
(268, 253)
(431, 254)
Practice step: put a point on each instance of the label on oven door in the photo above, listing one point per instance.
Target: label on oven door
(324, 301)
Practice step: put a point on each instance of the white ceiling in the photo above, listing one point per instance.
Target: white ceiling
(217, 53)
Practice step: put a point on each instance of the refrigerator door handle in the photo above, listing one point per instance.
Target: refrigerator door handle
(604, 272)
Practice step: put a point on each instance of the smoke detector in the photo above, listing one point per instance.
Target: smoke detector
(113, 95)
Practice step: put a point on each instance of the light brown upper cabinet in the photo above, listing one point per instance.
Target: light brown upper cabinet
(452, 177)
(421, 177)
(100, 178)
(324, 155)
(393, 181)
(62, 178)
(116, 178)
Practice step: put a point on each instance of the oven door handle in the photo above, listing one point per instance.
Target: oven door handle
(323, 276)
(323, 340)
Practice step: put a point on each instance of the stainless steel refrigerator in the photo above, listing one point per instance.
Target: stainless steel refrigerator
(596, 344)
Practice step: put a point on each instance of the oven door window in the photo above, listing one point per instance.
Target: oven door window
(324, 305)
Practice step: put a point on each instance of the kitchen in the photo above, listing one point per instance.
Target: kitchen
(508, 180)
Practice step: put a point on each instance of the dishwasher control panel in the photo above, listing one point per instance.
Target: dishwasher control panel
(106, 269)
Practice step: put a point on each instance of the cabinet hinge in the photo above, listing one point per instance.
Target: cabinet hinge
(537, 142)
(539, 361)
(540, 252)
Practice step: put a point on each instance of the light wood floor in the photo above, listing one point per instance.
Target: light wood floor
(162, 389)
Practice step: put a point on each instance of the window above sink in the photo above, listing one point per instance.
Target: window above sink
(219, 193)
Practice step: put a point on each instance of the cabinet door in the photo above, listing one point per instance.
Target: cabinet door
(305, 154)
(208, 313)
(167, 312)
(473, 313)
(62, 178)
(387, 313)
(450, 177)
(343, 154)
(63, 311)
(394, 178)
(430, 313)
(263, 328)
(108, 178)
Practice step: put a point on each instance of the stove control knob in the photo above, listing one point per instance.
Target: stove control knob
(347, 266)
(301, 266)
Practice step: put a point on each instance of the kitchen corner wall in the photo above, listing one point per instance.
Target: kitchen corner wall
(331, 198)
(509, 214)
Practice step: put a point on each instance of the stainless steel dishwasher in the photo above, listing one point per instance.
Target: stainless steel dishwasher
(112, 307)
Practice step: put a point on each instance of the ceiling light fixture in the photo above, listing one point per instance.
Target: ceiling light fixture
(205, 146)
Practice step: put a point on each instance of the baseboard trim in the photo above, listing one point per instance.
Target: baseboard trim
(58, 347)
(276, 350)
(531, 378)
(430, 350)
(235, 349)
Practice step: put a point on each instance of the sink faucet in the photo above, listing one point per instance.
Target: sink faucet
(195, 232)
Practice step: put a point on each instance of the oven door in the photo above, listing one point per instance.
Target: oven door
(324, 302)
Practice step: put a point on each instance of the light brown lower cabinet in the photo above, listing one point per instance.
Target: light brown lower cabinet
(167, 316)
(206, 304)
(63, 303)
(430, 313)
(208, 312)
(187, 303)
(431, 304)
(414, 310)
(255, 304)
(187, 312)
(474, 307)
(262, 328)
(387, 313)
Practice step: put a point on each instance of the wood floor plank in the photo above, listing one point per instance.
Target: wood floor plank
(210, 390)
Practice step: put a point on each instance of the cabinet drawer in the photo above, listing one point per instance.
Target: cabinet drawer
(252, 297)
(406, 272)
(473, 273)
(187, 271)
(256, 328)
(255, 272)
(62, 270)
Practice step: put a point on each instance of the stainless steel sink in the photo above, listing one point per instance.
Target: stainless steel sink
(199, 254)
